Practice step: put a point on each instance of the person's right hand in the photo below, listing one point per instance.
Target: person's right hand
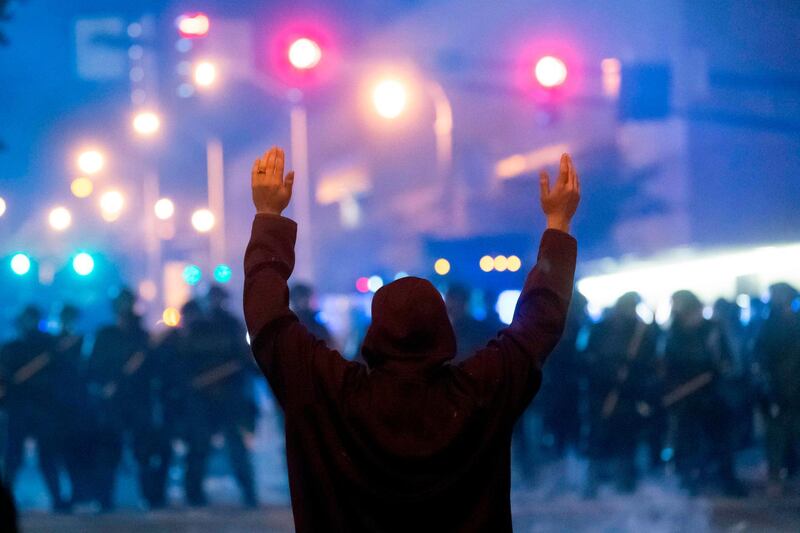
(560, 202)
(271, 189)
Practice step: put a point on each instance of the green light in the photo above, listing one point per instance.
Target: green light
(192, 274)
(223, 273)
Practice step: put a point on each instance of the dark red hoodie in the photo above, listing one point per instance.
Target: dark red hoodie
(411, 443)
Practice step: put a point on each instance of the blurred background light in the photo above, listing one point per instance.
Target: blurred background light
(148, 290)
(486, 263)
(146, 123)
(91, 161)
(550, 72)
(362, 284)
(500, 263)
(192, 274)
(304, 53)
(374, 283)
(401, 274)
(506, 303)
(20, 264)
(193, 25)
(171, 317)
(390, 97)
(612, 76)
(59, 218)
(164, 208)
(81, 187)
(83, 264)
(514, 263)
(205, 73)
(111, 205)
(222, 273)
(441, 266)
(203, 220)
(2, 206)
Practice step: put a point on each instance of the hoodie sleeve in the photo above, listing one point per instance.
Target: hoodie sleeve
(297, 365)
(508, 371)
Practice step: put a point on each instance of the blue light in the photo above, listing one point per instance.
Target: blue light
(223, 273)
(83, 264)
(192, 274)
(20, 264)
(374, 283)
(506, 303)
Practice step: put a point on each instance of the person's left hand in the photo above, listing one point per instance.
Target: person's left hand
(271, 189)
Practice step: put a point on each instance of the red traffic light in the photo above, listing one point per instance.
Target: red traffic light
(193, 25)
(550, 72)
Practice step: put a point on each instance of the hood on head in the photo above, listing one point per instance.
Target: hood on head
(410, 329)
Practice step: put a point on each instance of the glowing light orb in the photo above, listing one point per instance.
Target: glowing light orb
(514, 263)
(171, 317)
(111, 205)
(59, 218)
(205, 73)
(194, 25)
(203, 220)
(441, 266)
(550, 72)
(192, 274)
(390, 98)
(91, 161)
(164, 209)
(146, 123)
(2, 206)
(500, 263)
(81, 187)
(223, 273)
(20, 264)
(83, 264)
(362, 284)
(374, 283)
(304, 54)
(486, 263)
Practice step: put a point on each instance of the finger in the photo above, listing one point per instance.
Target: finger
(573, 177)
(544, 183)
(288, 182)
(563, 171)
(269, 176)
(262, 167)
(279, 163)
(254, 172)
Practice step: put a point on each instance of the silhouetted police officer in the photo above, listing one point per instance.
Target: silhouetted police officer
(121, 375)
(29, 377)
(778, 350)
(218, 369)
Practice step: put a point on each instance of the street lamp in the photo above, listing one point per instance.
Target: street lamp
(111, 205)
(60, 218)
(164, 209)
(91, 161)
(146, 123)
(205, 74)
(203, 220)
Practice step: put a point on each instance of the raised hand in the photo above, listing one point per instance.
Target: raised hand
(271, 189)
(560, 202)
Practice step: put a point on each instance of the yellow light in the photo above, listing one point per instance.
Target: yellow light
(441, 266)
(304, 54)
(81, 187)
(514, 263)
(60, 218)
(486, 263)
(164, 208)
(171, 317)
(203, 220)
(390, 98)
(500, 263)
(2, 206)
(146, 123)
(91, 161)
(111, 205)
(205, 73)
